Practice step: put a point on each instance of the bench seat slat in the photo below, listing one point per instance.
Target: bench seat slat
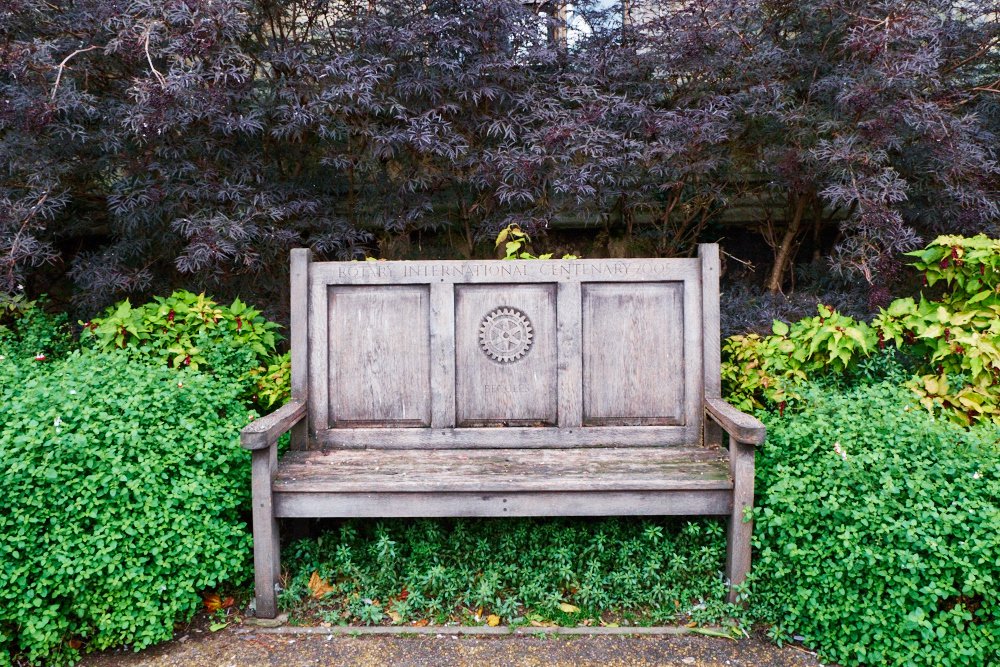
(524, 503)
(537, 437)
(503, 470)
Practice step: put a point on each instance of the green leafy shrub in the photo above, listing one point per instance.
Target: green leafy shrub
(515, 242)
(956, 334)
(167, 329)
(878, 530)
(273, 383)
(520, 570)
(118, 502)
(767, 369)
(192, 330)
(28, 330)
(952, 339)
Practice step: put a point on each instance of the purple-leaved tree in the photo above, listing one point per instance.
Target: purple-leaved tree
(148, 143)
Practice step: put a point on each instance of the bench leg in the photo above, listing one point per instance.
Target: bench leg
(741, 463)
(266, 551)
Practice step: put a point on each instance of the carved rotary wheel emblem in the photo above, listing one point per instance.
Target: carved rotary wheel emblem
(505, 335)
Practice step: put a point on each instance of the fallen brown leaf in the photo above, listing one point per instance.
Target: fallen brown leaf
(318, 586)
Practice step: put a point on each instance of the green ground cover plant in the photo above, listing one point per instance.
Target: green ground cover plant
(119, 502)
(28, 330)
(878, 530)
(517, 571)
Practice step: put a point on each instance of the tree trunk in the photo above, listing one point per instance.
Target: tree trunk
(784, 255)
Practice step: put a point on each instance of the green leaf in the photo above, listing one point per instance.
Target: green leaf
(858, 337)
(901, 307)
(976, 298)
(779, 328)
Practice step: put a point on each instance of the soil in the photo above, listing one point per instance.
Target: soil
(247, 646)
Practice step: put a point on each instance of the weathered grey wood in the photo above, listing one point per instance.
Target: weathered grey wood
(713, 434)
(739, 425)
(708, 253)
(415, 470)
(419, 414)
(442, 355)
(633, 354)
(506, 272)
(319, 342)
(569, 333)
(738, 545)
(379, 355)
(567, 503)
(519, 389)
(694, 338)
(528, 437)
(265, 431)
(266, 550)
(299, 292)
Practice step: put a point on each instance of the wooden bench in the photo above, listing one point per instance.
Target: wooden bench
(503, 388)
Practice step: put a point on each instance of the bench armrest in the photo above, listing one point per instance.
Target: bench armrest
(739, 425)
(264, 432)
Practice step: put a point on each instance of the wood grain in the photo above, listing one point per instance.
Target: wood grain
(738, 544)
(542, 503)
(264, 432)
(569, 308)
(633, 354)
(739, 425)
(536, 437)
(521, 392)
(506, 271)
(319, 343)
(442, 355)
(502, 470)
(266, 545)
(299, 291)
(708, 253)
(379, 355)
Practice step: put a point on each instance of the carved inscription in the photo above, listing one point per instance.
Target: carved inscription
(500, 389)
(547, 269)
(512, 270)
(364, 270)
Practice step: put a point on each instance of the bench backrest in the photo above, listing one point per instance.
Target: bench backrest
(526, 353)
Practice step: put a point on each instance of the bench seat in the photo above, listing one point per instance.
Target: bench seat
(504, 482)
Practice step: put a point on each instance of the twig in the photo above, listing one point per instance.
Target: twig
(62, 66)
(149, 59)
(989, 88)
(748, 264)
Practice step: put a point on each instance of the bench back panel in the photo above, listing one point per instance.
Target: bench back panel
(529, 353)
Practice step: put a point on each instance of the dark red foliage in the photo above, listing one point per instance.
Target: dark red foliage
(144, 141)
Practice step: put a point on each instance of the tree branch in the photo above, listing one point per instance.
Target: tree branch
(149, 59)
(62, 66)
